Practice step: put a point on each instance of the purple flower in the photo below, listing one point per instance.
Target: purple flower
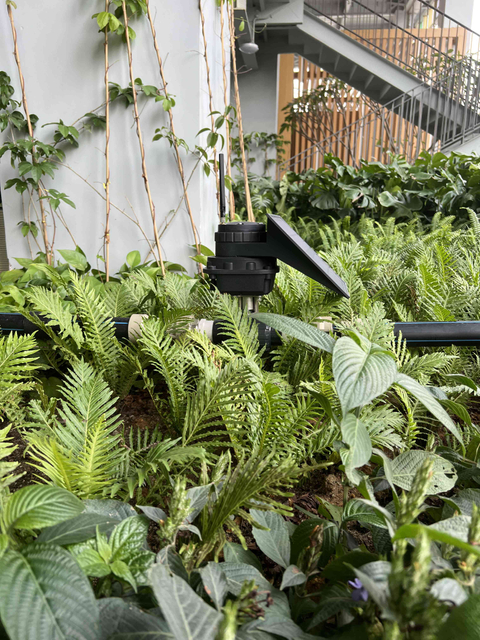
(359, 592)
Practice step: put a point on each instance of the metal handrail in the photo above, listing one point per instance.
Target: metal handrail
(329, 9)
(431, 117)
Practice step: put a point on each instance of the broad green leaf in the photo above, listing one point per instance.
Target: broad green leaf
(122, 571)
(456, 526)
(236, 575)
(154, 513)
(342, 568)
(283, 627)
(120, 620)
(374, 577)
(39, 506)
(301, 537)
(414, 530)
(292, 577)
(134, 258)
(449, 590)
(45, 595)
(424, 396)
(463, 621)
(274, 543)
(334, 599)
(361, 373)
(78, 529)
(215, 583)
(74, 259)
(93, 564)
(234, 552)
(405, 466)
(460, 379)
(173, 561)
(110, 508)
(359, 511)
(355, 434)
(464, 500)
(187, 615)
(297, 329)
(128, 536)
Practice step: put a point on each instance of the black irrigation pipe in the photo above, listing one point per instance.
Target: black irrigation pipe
(416, 334)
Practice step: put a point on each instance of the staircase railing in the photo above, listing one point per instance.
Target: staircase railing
(432, 117)
(423, 39)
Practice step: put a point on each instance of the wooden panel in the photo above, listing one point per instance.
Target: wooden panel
(376, 139)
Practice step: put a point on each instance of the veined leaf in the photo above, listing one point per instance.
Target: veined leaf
(188, 616)
(44, 594)
(39, 506)
(214, 583)
(362, 373)
(405, 466)
(297, 329)
(274, 543)
(120, 620)
(355, 434)
(78, 529)
(426, 398)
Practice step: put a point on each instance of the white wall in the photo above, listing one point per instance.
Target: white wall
(62, 58)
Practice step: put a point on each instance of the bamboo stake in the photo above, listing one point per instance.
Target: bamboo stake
(227, 119)
(140, 141)
(48, 251)
(107, 155)
(239, 116)
(210, 98)
(172, 128)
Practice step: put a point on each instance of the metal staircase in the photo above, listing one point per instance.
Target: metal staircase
(416, 62)
(441, 116)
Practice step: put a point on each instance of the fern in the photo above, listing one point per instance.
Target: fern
(78, 447)
(17, 364)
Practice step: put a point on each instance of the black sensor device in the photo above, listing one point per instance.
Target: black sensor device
(246, 254)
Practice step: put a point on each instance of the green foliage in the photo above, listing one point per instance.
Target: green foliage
(435, 183)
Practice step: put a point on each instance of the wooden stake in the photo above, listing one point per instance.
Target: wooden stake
(172, 128)
(107, 155)
(239, 117)
(140, 141)
(210, 98)
(227, 120)
(48, 250)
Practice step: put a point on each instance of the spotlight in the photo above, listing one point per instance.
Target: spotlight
(249, 48)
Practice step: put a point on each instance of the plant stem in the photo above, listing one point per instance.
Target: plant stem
(231, 197)
(122, 211)
(210, 98)
(107, 155)
(239, 116)
(48, 250)
(140, 141)
(172, 128)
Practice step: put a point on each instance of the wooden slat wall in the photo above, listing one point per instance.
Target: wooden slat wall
(298, 76)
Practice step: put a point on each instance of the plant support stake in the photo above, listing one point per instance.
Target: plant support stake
(239, 116)
(172, 128)
(210, 100)
(48, 250)
(231, 196)
(140, 141)
(107, 156)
